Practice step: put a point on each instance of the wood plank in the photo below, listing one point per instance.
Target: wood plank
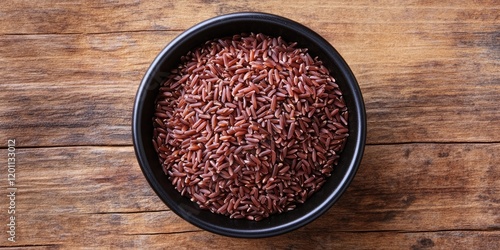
(50, 17)
(413, 187)
(305, 239)
(75, 89)
(82, 180)
(79, 89)
(97, 195)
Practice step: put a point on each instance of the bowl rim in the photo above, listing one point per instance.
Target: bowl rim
(341, 65)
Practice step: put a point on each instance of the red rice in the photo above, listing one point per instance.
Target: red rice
(249, 126)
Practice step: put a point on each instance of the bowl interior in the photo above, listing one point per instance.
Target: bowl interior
(229, 25)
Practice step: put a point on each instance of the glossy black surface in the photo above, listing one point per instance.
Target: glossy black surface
(229, 25)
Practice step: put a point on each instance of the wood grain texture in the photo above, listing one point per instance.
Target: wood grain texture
(113, 200)
(430, 76)
(306, 239)
(300, 239)
(51, 16)
(73, 89)
(76, 89)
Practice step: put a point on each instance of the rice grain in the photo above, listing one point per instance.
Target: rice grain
(249, 126)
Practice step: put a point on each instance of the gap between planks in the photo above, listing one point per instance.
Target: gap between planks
(168, 233)
(31, 246)
(130, 212)
(350, 232)
(91, 33)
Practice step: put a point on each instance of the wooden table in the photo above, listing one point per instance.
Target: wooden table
(430, 76)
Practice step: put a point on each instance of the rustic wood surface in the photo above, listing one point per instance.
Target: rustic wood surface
(429, 72)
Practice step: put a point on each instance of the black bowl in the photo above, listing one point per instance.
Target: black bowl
(228, 25)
